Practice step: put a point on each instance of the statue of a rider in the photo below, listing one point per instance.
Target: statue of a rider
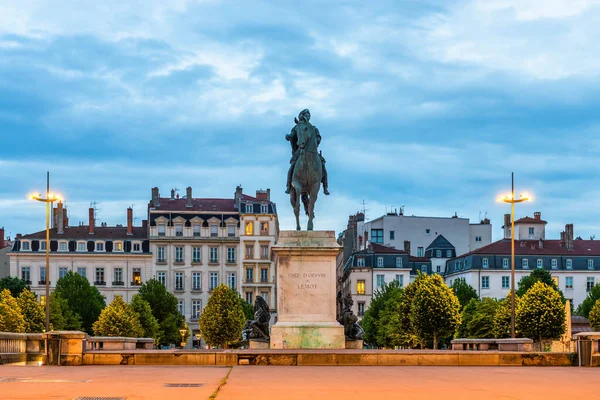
(303, 118)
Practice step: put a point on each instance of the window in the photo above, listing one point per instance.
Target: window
(448, 253)
(231, 281)
(438, 269)
(249, 275)
(42, 245)
(419, 252)
(428, 232)
(249, 297)
(179, 281)
(380, 261)
(539, 263)
(196, 254)
(531, 231)
(264, 228)
(377, 235)
(250, 251)
(26, 246)
(160, 254)
(264, 208)
(264, 251)
(214, 231)
(196, 309)
(196, 281)
(161, 230)
(360, 262)
(589, 284)
(137, 276)
(398, 262)
(249, 228)
(62, 272)
(250, 208)
(424, 269)
(231, 230)
(231, 254)
(82, 272)
(118, 246)
(392, 237)
(478, 238)
(214, 280)
(590, 264)
(505, 282)
(554, 263)
(99, 246)
(214, 255)
(181, 307)
(196, 230)
(400, 280)
(485, 282)
(99, 276)
(64, 246)
(179, 254)
(265, 296)
(26, 274)
(569, 264)
(162, 277)
(264, 275)
(43, 275)
(568, 282)
(360, 287)
(525, 263)
(118, 276)
(505, 263)
(380, 281)
(361, 308)
(137, 247)
(438, 253)
(485, 263)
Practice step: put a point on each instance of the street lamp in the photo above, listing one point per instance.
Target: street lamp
(182, 332)
(50, 198)
(511, 199)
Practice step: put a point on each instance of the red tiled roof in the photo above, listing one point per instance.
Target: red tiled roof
(378, 248)
(250, 198)
(529, 220)
(220, 205)
(100, 232)
(549, 247)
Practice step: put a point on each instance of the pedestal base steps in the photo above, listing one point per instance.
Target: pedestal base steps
(293, 335)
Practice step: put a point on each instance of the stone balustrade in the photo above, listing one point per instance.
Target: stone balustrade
(520, 344)
(96, 343)
(12, 343)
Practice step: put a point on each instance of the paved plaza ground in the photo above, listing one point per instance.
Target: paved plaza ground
(313, 383)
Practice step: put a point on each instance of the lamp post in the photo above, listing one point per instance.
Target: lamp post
(511, 199)
(50, 198)
(182, 332)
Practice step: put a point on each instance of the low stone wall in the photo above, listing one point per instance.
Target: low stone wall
(520, 344)
(19, 348)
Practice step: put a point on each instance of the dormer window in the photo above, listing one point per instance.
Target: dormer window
(137, 247)
(162, 229)
(360, 262)
(81, 246)
(249, 208)
(231, 230)
(398, 262)
(438, 253)
(196, 228)
(264, 208)
(214, 230)
(118, 246)
(449, 253)
(179, 230)
(63, 246)
(26, 246)
(100, 246)
(42, 245)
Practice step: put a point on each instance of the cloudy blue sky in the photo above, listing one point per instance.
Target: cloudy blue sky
(424, 104)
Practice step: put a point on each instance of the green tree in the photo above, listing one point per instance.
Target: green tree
(435, 310)
(62, 318)
(468, 313)
(407, 335)
(541, 313)
(83, 299)
(588, 303)
(11, 317)
(150, 326)
(370, 320)
(222, 320)
(594, 316)
(502, 318)
(14, 284)
(118, 319)
(388, 332)
(164, 308)
(481, 324)
(463, 291)
(33, 312)
(538, 275)
(248, 309)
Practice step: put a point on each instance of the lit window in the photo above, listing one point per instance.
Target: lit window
(380, 261)
(118, 246)
(137, 276)
(485, 282)
(398, 262)
(360, 287)
(505, 282)
(568, 282)
(249, 228)
(264, 228)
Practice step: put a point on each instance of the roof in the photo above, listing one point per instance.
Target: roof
(100, 232)
(245, 197)
(440, 242)
(529, 220)
(418, 259)
(532, 247)
(379, 249)
(221, 205)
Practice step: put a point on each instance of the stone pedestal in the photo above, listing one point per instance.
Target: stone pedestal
(306, 302)
(354, 344)
(258, 345)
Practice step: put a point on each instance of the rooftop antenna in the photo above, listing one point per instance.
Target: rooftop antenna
(94, 205)
(364, 209)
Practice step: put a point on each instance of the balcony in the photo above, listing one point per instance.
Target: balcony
(99, 283)
(118, 283)
(196, 290)
(41, 282)
(179, 289)
(264, 233)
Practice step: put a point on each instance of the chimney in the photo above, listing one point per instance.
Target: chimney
(263, 195)
(569, 236)
(155, 197)
(237, 195)
(407, 247)
(54, 219)
(145, 224)
(92, 221)
(188, 197)
(2, 243)
(60, 218)
(65, 218)
(537, 215)
(541, 244)
(172, 194)
(506, 226)
(129, 221)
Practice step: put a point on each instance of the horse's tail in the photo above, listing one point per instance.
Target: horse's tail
(305, 201)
